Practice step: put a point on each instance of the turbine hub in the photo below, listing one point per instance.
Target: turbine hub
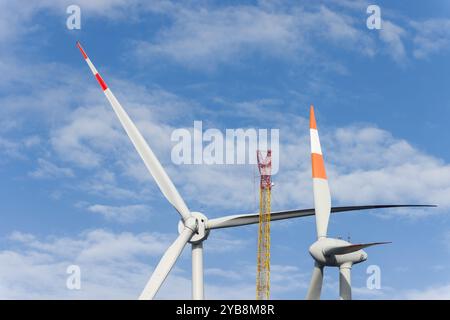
(196, 222)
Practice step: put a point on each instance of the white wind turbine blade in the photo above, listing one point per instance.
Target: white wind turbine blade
(165, 265)
(322, 198)
(151, 162)
(345, 283)
(253, 218)
(315, 287)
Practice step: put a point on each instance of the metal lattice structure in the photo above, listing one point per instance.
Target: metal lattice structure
(263, 260)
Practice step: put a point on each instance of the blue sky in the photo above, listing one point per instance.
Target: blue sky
(75, 192)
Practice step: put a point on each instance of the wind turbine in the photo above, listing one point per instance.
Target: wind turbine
(194, 227)
(328, 251)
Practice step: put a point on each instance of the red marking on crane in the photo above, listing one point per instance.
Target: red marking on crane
(81, 50)
(101, 82)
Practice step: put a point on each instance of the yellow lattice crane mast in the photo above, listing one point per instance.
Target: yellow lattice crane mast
(263, 262)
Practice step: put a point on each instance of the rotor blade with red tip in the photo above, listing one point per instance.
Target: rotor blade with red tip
(147, 155)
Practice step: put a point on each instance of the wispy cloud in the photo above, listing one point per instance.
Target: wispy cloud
(36, 268)
(208, 36)
(356, 156)
(116, 266)
(393, 36)
(432, 37)
(46, 169)
(103, 183)
(384, 177)
(123, 214)
(439, 292)
(16, 148)
(16, 18)
(85, 127)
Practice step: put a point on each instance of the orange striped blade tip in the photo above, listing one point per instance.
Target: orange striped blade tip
(318, 166)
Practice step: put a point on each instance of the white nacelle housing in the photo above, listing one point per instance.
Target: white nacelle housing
(319, 248)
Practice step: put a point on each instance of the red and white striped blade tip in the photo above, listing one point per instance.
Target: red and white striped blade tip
(82, 50)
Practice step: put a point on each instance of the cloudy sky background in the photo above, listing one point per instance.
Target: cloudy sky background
(75, 192)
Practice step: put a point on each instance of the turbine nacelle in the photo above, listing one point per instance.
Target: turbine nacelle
(323, 252)
(197, 222)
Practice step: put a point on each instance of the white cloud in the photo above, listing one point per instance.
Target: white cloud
(86, 126)
(12, 18)
(220, 242)
(90, 138)
(446, 240)
(90, 135)
(96, 245)
(439, 292)
(117, 266)
(288, 278)
(342, 30)
(103, 183)
(36, 269)
(209, 36)
(367, 293)
(46, 169)
(385, 169)
(359, 5)
(432, 37)
(16, 17)
(9, 148)
(392, 35)
(123, 214)
(220, 273)
(240, 283)
(382, 168)
(21, 237)
(17, 148)
(205, 36)
(357, 157)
